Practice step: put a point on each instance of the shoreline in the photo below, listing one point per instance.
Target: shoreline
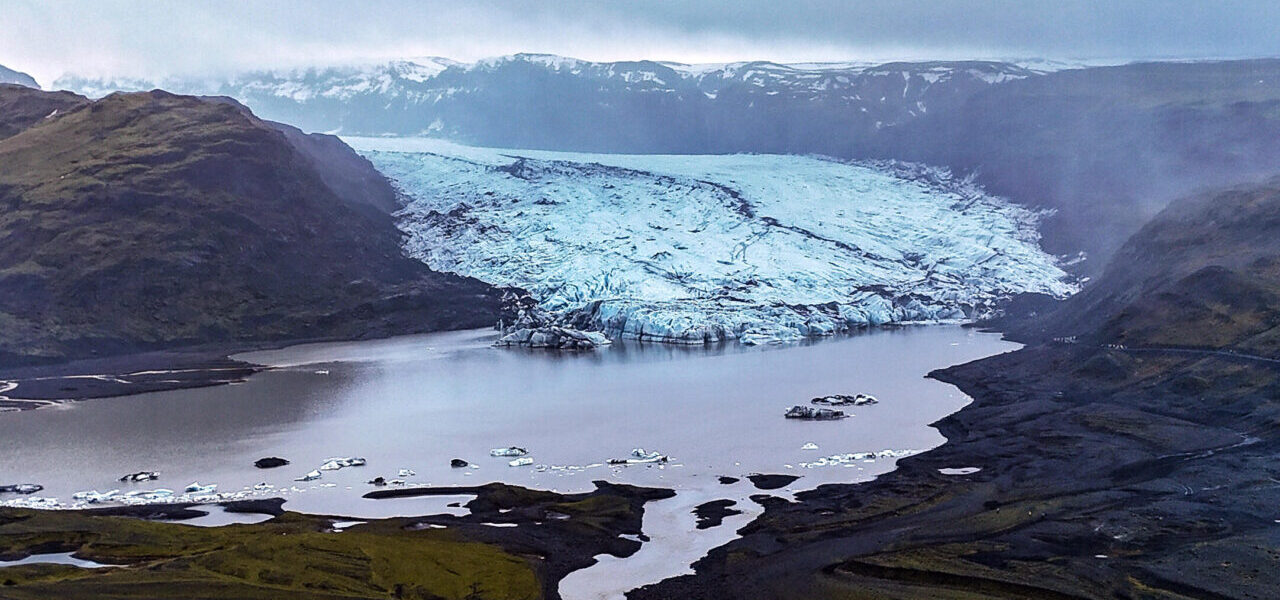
(33, 387)
(1090, 485)
(514, 541)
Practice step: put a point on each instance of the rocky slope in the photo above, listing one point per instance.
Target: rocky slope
(149, 220)
(1105, 472)
(692, 249)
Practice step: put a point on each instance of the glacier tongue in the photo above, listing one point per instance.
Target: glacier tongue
(694, 249)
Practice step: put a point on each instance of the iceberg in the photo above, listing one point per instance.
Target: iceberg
(333, 464)
(196, 488)
(811, 413)
(845, 400)
(639, 456)
(95, 497)
(21, 488)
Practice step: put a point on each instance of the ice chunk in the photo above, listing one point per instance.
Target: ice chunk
(333, 464)
(523, 461)
(845, 400)
(509, 451)
(639, 456)
(310, 476)
(195, 488)
(814, 414)
(20, 488)
(95, 497)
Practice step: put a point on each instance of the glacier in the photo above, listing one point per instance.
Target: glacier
(706, 248)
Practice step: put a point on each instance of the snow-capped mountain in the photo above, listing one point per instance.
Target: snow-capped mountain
(692, 249)
(8, 75)
(546, 101)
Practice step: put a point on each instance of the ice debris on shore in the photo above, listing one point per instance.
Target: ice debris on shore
(836, 460)
(698, 249)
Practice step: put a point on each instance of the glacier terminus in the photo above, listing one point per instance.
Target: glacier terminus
(695, 249)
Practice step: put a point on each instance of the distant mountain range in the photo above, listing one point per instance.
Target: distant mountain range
(545, 101)
(8, 75)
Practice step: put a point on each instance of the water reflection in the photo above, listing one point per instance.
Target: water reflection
(418, 401)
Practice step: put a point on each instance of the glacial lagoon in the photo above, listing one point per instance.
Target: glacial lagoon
(414, 403)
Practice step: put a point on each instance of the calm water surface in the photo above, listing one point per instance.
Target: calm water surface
(416, 402)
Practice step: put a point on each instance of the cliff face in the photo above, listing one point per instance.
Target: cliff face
(149, 220)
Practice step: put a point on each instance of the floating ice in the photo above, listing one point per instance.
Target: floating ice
(196, 488)
(639, 456)
(21, 488)
(96, 497)
(812, 413)
(845, 400)
(333, 464)
(140, 476)
(836, 460)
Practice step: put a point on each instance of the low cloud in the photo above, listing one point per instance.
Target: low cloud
(132, 38)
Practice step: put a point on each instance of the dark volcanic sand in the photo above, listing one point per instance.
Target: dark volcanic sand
(1155, 479)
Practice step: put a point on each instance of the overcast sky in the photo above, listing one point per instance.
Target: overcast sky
(104, 37)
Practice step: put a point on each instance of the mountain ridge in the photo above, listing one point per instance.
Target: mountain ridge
(148, 221)
(8, 75)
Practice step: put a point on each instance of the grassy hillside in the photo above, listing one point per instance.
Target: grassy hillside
(1205, 273)
(150, 220)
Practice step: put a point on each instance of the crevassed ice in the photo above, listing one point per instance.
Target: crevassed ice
(691, 249)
